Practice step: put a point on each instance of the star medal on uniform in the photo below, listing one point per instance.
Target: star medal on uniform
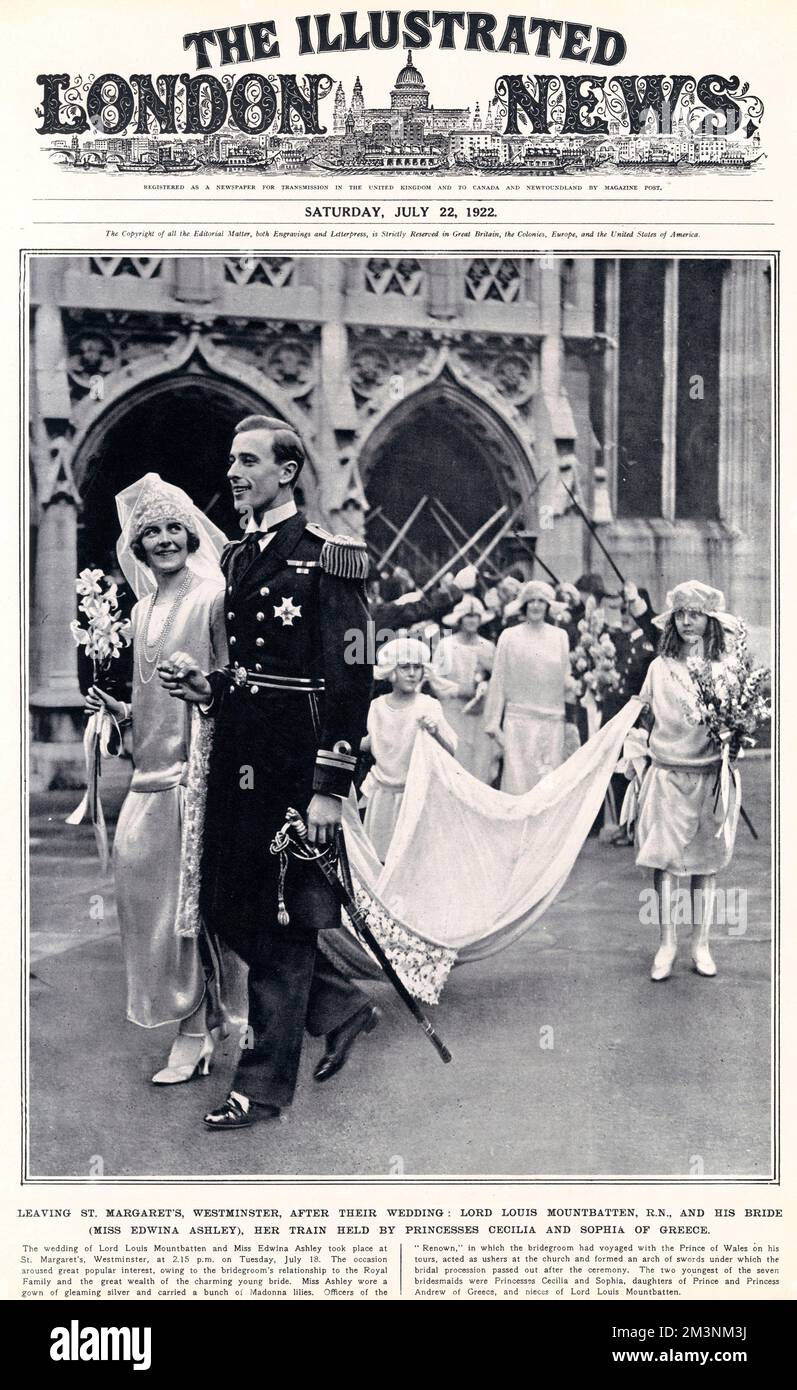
(287, 611)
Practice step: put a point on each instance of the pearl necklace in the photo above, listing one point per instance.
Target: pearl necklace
(165, 630)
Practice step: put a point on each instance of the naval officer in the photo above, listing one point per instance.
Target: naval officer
(289, 712)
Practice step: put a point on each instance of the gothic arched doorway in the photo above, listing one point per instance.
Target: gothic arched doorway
(179, 427)
(444, 444)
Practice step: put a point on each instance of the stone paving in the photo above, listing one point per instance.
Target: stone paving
(568, 1060)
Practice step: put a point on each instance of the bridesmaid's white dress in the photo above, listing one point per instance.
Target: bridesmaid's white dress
(526, 702)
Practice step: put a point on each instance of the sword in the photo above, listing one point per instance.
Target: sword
(410, 544)
(593, 530)
(535, 559)
(404, 531)
(295, 830)
(441, 514)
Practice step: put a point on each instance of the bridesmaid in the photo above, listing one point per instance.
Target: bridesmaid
(169, 553)
(393, 723)
(525, 710)
(466, 658)
(676, 767)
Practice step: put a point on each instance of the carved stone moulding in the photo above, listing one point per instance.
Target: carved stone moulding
(102, 344)
(504, 363)
(91, 353)
(138, 267)
(273, 271)
(369, 368)
(386, 360)
(285, 352)
(493, 446)
(400, 275)
(494, 278)
(54, 479)
(232, 325)
(289, 362)
(513, 376)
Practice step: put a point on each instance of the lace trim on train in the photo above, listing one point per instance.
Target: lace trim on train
(422, 966)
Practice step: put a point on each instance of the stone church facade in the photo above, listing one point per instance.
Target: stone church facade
(642, 384)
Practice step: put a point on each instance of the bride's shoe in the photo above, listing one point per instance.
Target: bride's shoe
(191, 1056)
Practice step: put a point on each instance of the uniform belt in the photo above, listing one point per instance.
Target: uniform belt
(267, 680)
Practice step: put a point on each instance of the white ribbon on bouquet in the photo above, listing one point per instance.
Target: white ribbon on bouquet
(728, 776)
(101, 728)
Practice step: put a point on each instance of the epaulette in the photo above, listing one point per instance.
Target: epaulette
(345, 557)
(316, 530)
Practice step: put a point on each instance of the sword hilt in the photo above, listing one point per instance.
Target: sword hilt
(295, 821)
(295, 826)
(292, 837)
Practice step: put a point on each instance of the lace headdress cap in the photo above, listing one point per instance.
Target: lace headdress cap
(151, 501)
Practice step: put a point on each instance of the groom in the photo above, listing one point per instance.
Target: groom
(290, 712)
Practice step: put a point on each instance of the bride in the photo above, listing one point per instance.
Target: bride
(169, 554)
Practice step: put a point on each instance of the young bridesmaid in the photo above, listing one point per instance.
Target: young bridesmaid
(676, 768)
(525, 707)
(466, 659)
(393, 723)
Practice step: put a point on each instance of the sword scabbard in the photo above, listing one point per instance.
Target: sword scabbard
(345, 896)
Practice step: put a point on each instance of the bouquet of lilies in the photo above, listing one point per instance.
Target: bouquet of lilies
(593, 661)
(103, 634)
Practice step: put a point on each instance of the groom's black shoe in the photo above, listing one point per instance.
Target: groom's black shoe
(340, 1040)
(233, 1115)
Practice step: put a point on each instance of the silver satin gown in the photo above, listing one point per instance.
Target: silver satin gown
(165, 982)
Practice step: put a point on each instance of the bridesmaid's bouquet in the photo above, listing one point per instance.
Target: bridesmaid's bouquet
(731, 700)
(105, 632)
(731, 703)
(103, 636)
(593, 660)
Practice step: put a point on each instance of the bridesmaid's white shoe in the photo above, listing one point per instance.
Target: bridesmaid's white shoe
(663, 961)
(191, 1056)
(703, 960)
(664, 958)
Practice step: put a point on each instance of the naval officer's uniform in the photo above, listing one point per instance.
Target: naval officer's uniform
(290, 711)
